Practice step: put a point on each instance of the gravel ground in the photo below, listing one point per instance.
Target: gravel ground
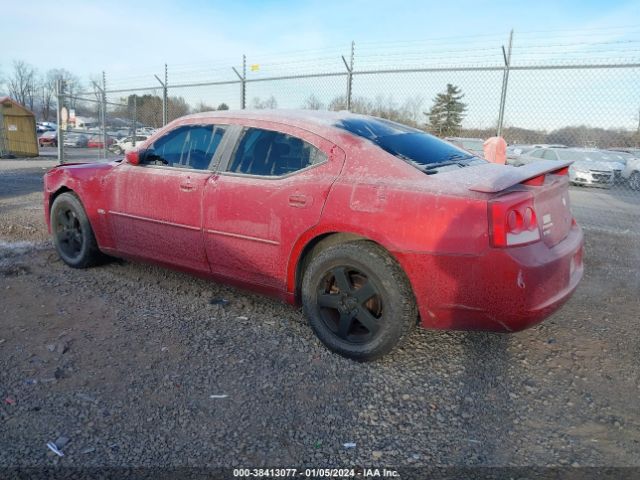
(120, 365)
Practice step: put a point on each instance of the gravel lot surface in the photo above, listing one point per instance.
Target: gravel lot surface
(133, 365)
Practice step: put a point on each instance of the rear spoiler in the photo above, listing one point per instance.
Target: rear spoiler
(494, 178)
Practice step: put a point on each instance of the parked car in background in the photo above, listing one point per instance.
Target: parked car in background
(473, 145)
(592, 173)
(146, 130)
(631, 171)
(42, 127)
(619, 157)
(632, 150)
(370, 224)
(125, 144)
(514, 151)
(619, 161)
(591, 167)
(97, 141)
(48, 139)
(76, 140)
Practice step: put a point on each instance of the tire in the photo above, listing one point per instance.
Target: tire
(72, 233)
(634, 181)
(358, 300)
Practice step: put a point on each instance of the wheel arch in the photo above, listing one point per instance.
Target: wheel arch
(56, 193)
(313, 244)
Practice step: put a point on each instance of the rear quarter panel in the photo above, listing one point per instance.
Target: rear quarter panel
(389, 201)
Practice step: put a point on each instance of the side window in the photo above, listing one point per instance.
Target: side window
(549, 155)
(269, 153)
(536, 153)
(188, 146)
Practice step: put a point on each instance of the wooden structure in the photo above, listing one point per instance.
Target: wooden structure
(17, 130)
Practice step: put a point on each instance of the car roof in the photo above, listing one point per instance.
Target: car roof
(289, 116)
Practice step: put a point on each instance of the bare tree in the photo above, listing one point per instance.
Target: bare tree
(23, 83)
(411, 110)
(177, 107)
(338, 103)
(203, 107)
(71, 85)
(312, 103)
(270, 103)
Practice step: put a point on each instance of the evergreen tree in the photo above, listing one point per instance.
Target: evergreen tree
(447, 112)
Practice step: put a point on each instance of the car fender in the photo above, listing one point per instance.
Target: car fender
(87, 182)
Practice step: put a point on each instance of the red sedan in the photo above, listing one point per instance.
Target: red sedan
(48, 139)
(97, 141)
(371, 225)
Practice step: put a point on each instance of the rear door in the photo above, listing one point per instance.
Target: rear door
(156, 209)
(270, 190)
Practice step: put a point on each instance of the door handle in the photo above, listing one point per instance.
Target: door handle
(298, 200)
(187, 187)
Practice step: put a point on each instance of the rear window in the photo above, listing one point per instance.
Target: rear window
(407, 143)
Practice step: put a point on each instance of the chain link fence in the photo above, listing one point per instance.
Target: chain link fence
(587, 112)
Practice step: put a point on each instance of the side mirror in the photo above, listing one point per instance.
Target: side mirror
(133, 157)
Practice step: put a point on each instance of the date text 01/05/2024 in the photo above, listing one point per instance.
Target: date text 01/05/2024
(315, 472)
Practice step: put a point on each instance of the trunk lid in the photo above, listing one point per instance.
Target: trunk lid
(547, 181)
(553, 209)
(493, 178)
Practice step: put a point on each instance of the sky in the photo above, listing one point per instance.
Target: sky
(200, 40)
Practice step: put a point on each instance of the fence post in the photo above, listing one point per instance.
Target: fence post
(349, 67)
(505, 83)
(135, 118)
(165, 97)
(104, 115)
(165, 116)
(60, 134)
(243, 82)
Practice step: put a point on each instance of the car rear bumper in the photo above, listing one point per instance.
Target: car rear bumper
(503, 290)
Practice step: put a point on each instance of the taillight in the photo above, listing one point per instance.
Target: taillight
(513, 220)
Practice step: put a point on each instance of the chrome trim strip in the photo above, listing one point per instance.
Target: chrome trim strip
(153, 220)
(243, 237)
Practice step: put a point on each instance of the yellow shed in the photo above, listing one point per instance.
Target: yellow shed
(17, 130)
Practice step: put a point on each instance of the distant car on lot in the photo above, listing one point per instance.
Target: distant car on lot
(42, 127)
(125, 144)
(97, 141)
(473, 145)
(48, 139)
(514, 151)
(146, 130)
(591, 167)
(75, 140)
(633, 151)
(631, 171)
(373, 226)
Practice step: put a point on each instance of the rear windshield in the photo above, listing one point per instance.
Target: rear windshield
(406, 143)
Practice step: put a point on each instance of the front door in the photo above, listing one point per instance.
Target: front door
(271, 190)
(157, 205)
